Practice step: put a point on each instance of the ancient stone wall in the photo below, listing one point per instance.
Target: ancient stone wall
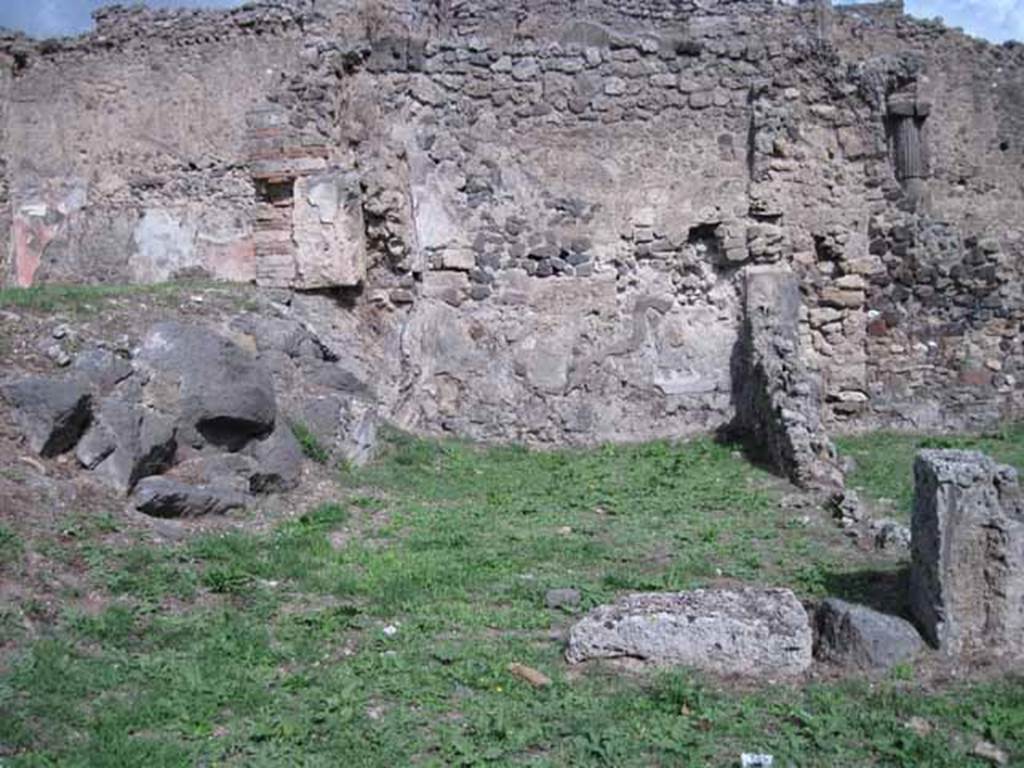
(540, 214)
(126, 148)
(944, 307)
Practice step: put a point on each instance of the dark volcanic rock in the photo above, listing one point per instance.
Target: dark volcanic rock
(127, 441)
(101, 370)
(218, 393)
(856, 636)
(166, 497)
(278, 460)
(51, 413)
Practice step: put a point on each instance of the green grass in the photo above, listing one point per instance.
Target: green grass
(267, 649)
(311, 446)
(885, 461)
(50, 297)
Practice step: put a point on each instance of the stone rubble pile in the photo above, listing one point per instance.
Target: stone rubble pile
(189, 423)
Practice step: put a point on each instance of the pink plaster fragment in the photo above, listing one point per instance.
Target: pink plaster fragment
(235, 261)
(31, 236)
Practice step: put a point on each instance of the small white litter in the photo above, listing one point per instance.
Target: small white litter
(390, 630)
(750, 760)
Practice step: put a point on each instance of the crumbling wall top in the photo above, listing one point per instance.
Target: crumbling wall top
(121, 27)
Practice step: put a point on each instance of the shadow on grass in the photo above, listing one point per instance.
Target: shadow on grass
(887, 591)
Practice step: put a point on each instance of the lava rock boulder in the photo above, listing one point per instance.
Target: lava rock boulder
(218, 393)
(51, 413)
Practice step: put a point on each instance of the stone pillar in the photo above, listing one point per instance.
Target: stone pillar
(967, 577)
(908, 137)
(909, 162)
(778, 404)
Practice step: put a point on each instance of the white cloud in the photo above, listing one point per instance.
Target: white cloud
(54, 18)
(996, 20)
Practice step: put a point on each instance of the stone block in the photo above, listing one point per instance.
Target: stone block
(967, 576)
(750, 632)
(51, 413)
(857, 636)
(215, 391)
(165, 497)
(327, 227)
(127, 442)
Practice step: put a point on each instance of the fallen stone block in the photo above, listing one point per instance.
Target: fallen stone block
(229, 471)
(967, 575)
(51, 413)
(100, 369)
(856, 636)
(165, 497)
(278, 462)
(125, 442)
(218, 393)
(750, 632)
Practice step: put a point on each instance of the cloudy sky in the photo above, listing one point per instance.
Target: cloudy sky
(996, 20)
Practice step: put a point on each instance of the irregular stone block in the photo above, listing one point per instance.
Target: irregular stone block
(856, 636)
(51, 413)
(327, 226)
(216, 391)
(165, 497)
(229, 471)
(779, 403)
(101, 369)
(751, 632)
(278, 462)
(126, 442)
(967, 576)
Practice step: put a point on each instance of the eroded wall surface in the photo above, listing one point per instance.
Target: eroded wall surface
(537, 217)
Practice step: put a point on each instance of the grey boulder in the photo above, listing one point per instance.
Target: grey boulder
(167, 497)
(101, 370)
(856, 636)
(270, 465)
(750, 632)
(230, 471)
(51, 413)
(347, 426)
(218, 392)
(125, 442)
(278, 462)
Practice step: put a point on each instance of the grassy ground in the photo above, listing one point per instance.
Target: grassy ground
(93, 297)
(377, 631)
(885, 461)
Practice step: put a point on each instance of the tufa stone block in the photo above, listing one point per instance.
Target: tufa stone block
(967, 575)
(749, 632)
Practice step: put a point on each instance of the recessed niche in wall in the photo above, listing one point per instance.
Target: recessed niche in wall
(908, 137)
(275, 192)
